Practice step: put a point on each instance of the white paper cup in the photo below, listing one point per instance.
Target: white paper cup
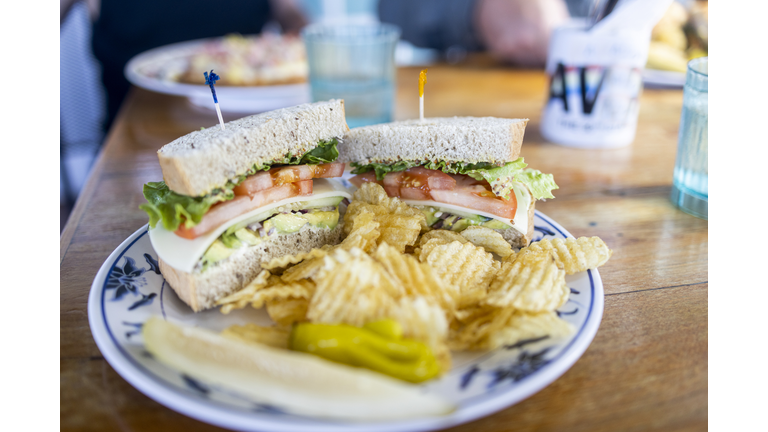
(595, 85)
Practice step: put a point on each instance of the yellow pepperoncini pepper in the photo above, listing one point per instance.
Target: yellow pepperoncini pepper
(378, 346)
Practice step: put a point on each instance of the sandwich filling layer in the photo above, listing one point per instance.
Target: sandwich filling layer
(499, 177)
(188, 255)
(177, 211)
(471, 197)
(458, 218)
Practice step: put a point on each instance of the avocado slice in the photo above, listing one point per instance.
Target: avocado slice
(429, 212)
(291, 222)
(217, 251)
(248, 237)
(323, 219)
(496, 224)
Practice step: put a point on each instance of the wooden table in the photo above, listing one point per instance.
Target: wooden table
(645, 370)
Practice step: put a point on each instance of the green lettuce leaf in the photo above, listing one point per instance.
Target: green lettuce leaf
(499, 177)
(325, 152)
(383, 169)
(541, 184)
(174, 209)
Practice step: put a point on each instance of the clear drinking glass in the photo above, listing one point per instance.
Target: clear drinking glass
(690, 189)
(355, 63)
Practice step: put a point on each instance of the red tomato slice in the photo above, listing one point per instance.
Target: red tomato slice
(255, 183)
(228, 210)
(287, 174)
(394, 179)
(290, 174)
(413, 193)
(393, 191)
(420, 183)
(305, 187)
(463, 180)
(478, 198)
(434, 179)
(359, 179)
(329, 170)
(418, 180)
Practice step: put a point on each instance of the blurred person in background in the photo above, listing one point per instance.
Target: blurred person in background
(123, 29)
(514, 31)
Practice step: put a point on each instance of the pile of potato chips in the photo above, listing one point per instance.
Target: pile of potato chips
(446, 289)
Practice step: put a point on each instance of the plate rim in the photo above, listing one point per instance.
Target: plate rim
(664, 78)
(210, 411)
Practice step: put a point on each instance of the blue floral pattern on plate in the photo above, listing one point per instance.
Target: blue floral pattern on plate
(479, 383)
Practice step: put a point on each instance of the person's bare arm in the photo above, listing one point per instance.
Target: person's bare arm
(518, 30)
(289, 15)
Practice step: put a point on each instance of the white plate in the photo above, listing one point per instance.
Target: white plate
(129, 288)
(654, 78)
(244, 100)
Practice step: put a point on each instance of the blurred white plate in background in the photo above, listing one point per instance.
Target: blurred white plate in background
(654, 78)
(147, 69)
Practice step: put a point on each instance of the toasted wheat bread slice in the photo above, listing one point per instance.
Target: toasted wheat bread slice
(204, 160)
(451, 139)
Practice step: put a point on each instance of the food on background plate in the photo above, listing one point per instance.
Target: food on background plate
(459, 172)
(253, 60)
(234, 199)
(303, 383)
(680, 36)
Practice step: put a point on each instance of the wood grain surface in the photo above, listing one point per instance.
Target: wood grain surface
(645, 370)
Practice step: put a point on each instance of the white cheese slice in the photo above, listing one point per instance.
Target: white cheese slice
(182, 254)
(519, 222)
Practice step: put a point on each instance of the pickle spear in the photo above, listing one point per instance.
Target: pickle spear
(297, 382)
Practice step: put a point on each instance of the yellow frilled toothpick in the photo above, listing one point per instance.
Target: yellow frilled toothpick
(422, 81)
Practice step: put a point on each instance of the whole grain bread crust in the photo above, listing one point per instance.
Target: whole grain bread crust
(451, 139)
(204, 160)
(201, 290)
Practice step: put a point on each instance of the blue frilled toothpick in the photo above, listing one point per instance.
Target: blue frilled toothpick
(210, 80)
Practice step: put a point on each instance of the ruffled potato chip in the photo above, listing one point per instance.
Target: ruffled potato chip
(357, 208)
(373, 193)
(283, 262)
(399, 230)
(464, 265)
(304, 270)
(353, 288)
(274, 336)
(523, 326)
(488, 239)
(533, 282)
(445, 236)
(497, 327)
(398, 224)
(277, 290)
(418, 279)
(576, 255)
(240, 299)
(364, 232)
(288, 311)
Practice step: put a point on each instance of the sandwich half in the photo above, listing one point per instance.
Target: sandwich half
(231, 200)
(460, 171)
